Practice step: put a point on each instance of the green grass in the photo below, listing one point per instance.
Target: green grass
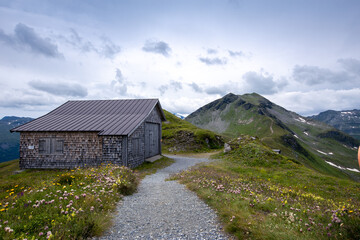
(64, 204)
(262, 195)
(181, 136)
(148, 168)
(7, 168)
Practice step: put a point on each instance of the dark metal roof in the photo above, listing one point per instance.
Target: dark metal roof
(108, 117)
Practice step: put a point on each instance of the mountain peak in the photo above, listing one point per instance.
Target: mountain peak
(299, 137)
(347, 121)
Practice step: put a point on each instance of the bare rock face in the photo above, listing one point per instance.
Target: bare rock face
(227, 148)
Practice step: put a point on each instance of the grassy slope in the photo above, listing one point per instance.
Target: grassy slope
(181, 136)
(253, 115)
(261, 195)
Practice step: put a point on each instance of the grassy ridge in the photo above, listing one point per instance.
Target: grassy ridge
(64, 204)
(181, 136)
(308, 141)
(262, 195)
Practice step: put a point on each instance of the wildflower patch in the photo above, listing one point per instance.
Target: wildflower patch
(260, 195)
(67, 204)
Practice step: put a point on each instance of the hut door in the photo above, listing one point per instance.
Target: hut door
(152, 139)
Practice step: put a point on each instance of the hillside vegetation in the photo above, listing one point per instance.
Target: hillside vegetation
(309, 141)
(259, 194)
(181, 136)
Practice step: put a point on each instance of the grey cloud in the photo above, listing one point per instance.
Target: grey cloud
(260, 83)
(222, 90)
(312, 75)
(158, 47)
(163, 89)
(105, 48)
(213, 61)
(122, 89)
(11, 100)
(26, 38)
(75, 37)
(20, 103)
(351, 65)
(119, 76)
(7, 39)
(196, 87)
(77, 41)
(212, 51)
(315, 101)
(119, 83)
(175, 85)
(59, 89)
(236, 53)
(282, 83)
(109, 49)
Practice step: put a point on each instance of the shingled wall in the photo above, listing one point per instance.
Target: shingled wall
(80, 149)
(112, 149)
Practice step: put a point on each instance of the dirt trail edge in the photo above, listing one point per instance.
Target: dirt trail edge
(165, 210)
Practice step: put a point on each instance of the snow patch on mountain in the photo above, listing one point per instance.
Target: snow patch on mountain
(181, 115)
(342, 168)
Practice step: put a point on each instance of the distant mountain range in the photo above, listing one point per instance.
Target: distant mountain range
(347, 121)
(314, 143)
(9, 142)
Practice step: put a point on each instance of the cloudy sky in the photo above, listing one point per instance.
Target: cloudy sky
(302, 54)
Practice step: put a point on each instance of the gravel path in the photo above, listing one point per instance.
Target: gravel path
(165, 210)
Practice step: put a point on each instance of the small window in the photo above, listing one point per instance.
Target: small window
(51, 146)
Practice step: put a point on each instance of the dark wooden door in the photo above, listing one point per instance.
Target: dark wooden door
(152, 139)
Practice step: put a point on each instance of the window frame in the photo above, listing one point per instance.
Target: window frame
(51, 146)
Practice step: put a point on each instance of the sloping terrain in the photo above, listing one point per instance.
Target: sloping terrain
(347, 121)
(259, 194)
(309, 141)
(181, 136)
(9, 142)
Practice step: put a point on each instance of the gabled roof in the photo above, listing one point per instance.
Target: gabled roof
(108, 117)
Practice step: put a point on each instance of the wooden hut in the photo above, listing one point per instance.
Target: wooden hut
(91, 132)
